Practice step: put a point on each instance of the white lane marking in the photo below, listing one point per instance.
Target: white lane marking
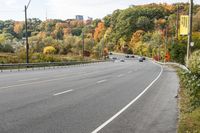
(30, 83)
(128, 105)
(60, 93)
(130, 72)
(101, 81)
(121, 75)
(28, 80)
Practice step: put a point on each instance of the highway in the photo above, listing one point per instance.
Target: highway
(108, 97)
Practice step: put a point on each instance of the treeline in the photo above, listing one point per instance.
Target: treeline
(146, 29)
(150, 30)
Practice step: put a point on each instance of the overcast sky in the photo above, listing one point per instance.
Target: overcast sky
(64, 9)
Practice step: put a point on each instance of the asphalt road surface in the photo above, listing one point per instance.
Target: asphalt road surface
(109, 97)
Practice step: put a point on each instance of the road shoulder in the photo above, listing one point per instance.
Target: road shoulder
(155, 112)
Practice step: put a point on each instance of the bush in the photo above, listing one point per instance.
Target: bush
(49, 50)
(189, 121)
(191, 82)
(178, 52)
(194, 63)
(6, 48)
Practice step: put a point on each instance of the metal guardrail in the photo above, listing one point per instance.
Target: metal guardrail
(175, 64)
(170, 63)
(4, 67)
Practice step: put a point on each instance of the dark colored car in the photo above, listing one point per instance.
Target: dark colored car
(127, 56)
(114, 58)
(132, 56)
(140, 59)
(143, 58)
(122, 60)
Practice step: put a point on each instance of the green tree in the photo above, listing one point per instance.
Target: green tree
(144, 23)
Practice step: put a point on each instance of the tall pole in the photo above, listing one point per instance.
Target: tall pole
(26, 34)
(102, 50)
(83, 45)
(166, 41)
(177, 22)
(190, 31)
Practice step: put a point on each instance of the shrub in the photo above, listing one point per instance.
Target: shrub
(49, 50)
(194, 63)
(178, 52)
(191, 82)
(189, 121)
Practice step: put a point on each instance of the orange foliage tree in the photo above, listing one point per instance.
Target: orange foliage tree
(99, 31)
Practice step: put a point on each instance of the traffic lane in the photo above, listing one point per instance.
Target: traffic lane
(29, 77)
(81, 110)
(25, 75)
(73, 76)
(25, 94)
(155, 112)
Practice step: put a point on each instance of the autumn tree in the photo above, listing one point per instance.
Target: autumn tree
(18, 28)
(99, 31)
(136, 38)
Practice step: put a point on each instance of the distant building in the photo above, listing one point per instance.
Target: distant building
(90, 18)
(89, 21)
(79, 17)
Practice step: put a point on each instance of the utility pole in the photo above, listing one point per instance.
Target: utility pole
(166, 41)
(190, 31)
(177, 22)
(83, 44)
(26, 34)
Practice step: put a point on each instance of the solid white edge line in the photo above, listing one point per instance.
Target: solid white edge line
(127, 106)
(60, 93)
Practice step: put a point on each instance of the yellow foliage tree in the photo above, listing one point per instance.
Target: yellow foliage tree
(18, 27)
(49, 50)
(136, 38)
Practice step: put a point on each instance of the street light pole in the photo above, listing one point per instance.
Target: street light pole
(190, 31)
(26, 34)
